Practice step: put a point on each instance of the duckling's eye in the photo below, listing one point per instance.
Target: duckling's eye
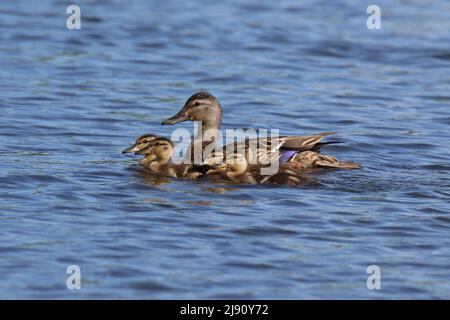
(196, 103)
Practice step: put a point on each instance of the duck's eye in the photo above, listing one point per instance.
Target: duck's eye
(196, 103)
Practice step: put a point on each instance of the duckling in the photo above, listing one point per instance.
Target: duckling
(235, 169)
(157, 158)
(309, 159)
(141, 143)
(205, 108)
(240, 171)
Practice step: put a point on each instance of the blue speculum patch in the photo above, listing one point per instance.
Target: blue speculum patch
(286, 155)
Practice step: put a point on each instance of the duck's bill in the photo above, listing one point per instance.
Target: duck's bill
(179, 117)
(131, 149)
(144, 151)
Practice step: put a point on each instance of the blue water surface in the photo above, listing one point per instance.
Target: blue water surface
(71, 100)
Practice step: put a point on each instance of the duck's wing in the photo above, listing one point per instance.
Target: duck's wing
(303, 143)
(267, 150)
(285, 147)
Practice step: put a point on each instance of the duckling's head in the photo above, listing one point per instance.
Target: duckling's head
(203, 107)
(160, 149)
(141, 143)
(235, 166)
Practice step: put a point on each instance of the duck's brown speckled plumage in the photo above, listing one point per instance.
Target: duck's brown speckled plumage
(295, 155)
(242, 172)
(205, 107)
(310, 159)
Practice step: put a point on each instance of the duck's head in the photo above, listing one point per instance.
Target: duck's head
(203, 107)
(141, 143)
(160, 149)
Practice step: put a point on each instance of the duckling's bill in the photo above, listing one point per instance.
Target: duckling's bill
(146, 151)
(131, 149)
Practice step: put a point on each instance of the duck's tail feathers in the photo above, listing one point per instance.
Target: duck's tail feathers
(320, 145)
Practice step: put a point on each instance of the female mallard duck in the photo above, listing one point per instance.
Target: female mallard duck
(205, 108)
(157, 159)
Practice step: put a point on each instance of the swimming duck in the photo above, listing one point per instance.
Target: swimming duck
(235, 170)
(157, 159)
(205, 108)
(240, 171)
(311, 159)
